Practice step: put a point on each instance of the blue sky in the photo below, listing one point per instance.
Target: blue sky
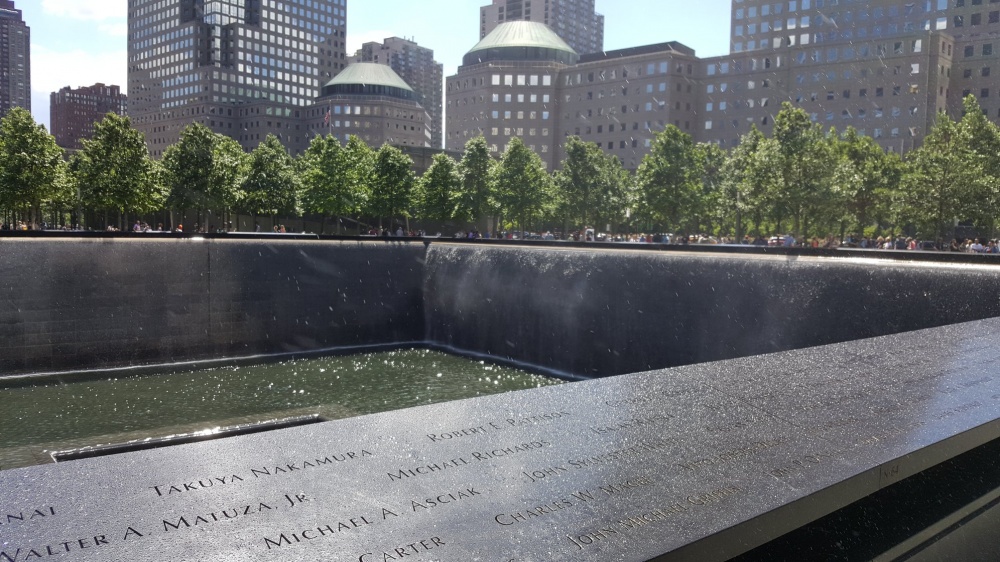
(81, 42)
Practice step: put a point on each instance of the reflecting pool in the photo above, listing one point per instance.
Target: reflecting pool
(34, 421)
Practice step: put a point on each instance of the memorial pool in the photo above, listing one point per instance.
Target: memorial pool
(37, 420)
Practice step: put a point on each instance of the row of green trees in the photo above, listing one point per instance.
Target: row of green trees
(802, 179)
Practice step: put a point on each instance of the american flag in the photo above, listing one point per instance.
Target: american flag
(326, 118)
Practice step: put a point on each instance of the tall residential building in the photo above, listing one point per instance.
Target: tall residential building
(244, 68)
(575, 21)
(15, 59)
(417, 67)
(73, 113)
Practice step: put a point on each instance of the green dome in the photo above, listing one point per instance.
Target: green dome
(522, 41)
(366, 78)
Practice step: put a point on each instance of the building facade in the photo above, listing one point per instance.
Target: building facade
(15, 59)
(73, 113)
(884, 67)
(575, 21)
(524, 81)
(244, 68)
(369, 101)
(417, 67)
(622, 99)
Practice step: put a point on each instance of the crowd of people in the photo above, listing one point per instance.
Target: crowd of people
(969, 245)
(588, 234)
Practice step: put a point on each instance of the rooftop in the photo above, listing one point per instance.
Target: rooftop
(369, 74)
(522, 40)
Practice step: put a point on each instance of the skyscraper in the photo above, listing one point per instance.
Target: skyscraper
(244, 68)
(15, 59)
(884, 67)
(417, 67)
(73, 113)
(575, 21)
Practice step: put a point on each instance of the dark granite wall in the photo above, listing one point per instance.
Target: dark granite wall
(86, 303)
(597, 312)
(73, 304)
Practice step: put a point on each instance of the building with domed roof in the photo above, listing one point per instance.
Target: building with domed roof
(372, 102)
(507, 87)
(522, 80)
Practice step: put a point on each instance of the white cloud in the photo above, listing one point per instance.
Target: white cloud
(91, 10)
(355, 40)
(114, 29)
(53, 70)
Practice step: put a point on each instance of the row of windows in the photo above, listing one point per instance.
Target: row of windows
(986, 50)
(651, 69)
(366, 124)
(507, 115)
(519, 131)
(768, 9)
(975, 19)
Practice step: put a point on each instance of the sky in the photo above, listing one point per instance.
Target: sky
(82, 42)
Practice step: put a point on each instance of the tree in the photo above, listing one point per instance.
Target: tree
(524, 188)
(327, 188)
(711, 160)
(580, 180)
(941, 178)
(477, 197)
(392, 184)
(271, 185)
(866, 178)
(203, 171)
(31, 165)
(230, 167)
(984, 143)
(669, 179)
(616, 194)
(804, 164)
(743, 195)
(439, 190)
(187, 167)
(592, 188)
(65, 196)
(361, 171)
(115, 172)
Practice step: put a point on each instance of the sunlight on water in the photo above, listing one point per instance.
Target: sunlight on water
(39, 419)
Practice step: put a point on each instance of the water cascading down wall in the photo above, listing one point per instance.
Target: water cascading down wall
(76, 304)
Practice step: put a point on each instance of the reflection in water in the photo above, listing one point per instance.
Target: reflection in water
(36, 420)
